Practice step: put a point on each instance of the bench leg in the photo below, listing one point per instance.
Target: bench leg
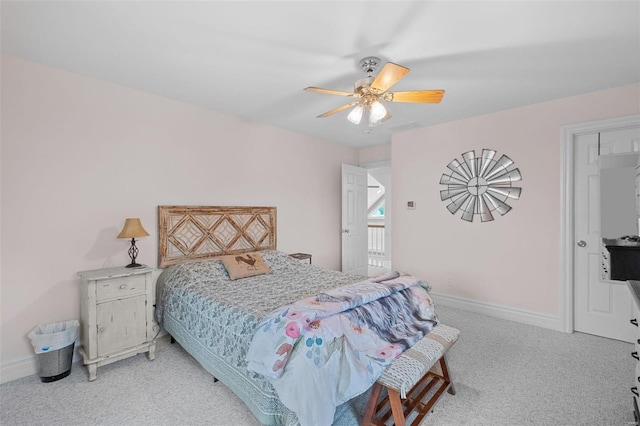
(447, 375)
(371, 406)
(394, 401)
(396, 407)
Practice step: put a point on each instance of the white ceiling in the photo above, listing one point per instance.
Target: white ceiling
(252, 59)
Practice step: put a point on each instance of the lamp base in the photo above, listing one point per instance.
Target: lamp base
(133, 253)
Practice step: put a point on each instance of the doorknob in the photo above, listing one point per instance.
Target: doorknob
(344, 231)
(582, 243)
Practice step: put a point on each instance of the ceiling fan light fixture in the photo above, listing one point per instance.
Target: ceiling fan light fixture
(378, 111)
(356, 114)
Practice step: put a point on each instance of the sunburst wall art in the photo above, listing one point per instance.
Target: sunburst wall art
(479, 186)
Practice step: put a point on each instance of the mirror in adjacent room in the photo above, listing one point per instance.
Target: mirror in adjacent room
(619, 220)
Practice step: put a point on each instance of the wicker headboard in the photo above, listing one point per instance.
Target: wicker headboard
(201, 232)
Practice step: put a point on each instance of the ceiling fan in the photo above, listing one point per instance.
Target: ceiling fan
(371, 91)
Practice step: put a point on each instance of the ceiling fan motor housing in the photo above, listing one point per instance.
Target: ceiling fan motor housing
(363, 90)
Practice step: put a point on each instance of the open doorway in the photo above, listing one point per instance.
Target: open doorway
(378, 218)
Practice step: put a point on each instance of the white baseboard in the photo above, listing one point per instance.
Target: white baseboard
(18, 369)
(498, 311)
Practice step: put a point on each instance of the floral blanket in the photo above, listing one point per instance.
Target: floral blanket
(321, 351)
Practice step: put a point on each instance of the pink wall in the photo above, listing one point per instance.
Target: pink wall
(80, 155)
(374, 154)
(513, 261)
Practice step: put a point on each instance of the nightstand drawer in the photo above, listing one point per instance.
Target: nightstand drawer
(120, 287)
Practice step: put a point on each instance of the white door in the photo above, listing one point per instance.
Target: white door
(601, 307)
(354, 220)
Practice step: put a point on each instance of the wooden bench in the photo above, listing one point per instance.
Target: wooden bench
(415, 381)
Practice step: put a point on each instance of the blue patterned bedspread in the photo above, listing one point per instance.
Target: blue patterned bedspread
(323, 350)
(215, 318)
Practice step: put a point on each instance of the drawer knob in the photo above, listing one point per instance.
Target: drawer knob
(634, 321)
(101, 330)
(635, 355)
(122, 287)
(634, 390)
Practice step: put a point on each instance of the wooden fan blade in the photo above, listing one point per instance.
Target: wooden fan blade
(329, 91)
(336, 110)
(389, 75)
(423, 96)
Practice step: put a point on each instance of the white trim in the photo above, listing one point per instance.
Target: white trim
(14, 370)
(498, 311)
(570, 132)
(566, 230)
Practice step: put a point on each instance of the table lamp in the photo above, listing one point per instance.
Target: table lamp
(133, 229)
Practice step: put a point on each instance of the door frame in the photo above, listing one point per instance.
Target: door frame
(570, 133)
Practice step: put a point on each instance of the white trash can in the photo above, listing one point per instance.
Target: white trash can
(53, 344)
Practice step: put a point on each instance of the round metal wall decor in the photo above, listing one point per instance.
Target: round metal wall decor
(479, 186)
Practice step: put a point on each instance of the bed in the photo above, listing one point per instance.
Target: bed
(215, 318)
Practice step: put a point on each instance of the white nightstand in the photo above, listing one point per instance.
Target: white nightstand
(116, 315)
